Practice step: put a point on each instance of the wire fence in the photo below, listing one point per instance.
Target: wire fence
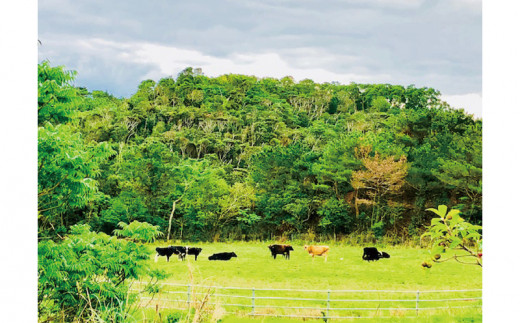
(307, 303)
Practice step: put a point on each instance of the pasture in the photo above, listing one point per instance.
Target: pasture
(344, 270)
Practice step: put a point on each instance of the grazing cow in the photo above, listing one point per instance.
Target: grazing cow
(280, 249)
(318, 251)
(164, 251)
(180, 251)
(194, 251)
(371, 254)
(222, 256)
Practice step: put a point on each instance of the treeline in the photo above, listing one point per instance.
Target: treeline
(243, 157)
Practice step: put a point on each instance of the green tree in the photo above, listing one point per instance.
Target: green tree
(187, 179)
(67, 168)
(284, 187)
(58, 100)
(67, 165)
(461, 170)
(337, 163)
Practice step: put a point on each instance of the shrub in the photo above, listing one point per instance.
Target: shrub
(85, 276)
(378, 229)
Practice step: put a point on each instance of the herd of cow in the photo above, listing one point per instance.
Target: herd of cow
(369, 253)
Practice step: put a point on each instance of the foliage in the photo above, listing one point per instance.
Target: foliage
(380, 180)
(335, 215)
(85, 276)
(461, 169)
(138, 231)
(242, 156)
(450, 231)
(67, 164)
(57, 98)
(284, 186)
(378, 229)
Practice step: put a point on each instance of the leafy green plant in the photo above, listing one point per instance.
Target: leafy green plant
(379, 229)
(450, 231)
(174, 317)
(138, 231)
(68, 165)
(67, 170)
(57, 98)
(86, 276)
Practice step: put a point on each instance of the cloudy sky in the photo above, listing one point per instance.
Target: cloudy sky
(114, 45)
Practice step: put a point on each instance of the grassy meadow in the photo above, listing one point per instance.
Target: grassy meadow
(344, 270)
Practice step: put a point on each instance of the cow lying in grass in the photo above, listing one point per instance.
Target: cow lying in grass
(371, 254)
(280, 249)
(222, 256)
(318, 251)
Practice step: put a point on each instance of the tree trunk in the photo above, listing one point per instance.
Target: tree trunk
(356, 204)
(170, 221)
(182, 229)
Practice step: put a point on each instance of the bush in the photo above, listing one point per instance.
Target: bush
(378, 229)
(85, 276)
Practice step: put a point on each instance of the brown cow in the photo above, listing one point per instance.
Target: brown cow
(318, 251)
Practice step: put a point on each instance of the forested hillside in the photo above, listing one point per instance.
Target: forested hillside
(243, 157)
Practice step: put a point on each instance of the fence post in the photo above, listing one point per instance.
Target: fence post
(189, 296)
(417, 303)
(328, 302)
(253, 302)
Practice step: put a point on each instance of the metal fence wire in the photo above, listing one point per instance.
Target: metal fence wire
(306, 303)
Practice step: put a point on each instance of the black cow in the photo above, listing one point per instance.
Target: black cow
(180, 251)
(164, 251)
(371, 254)
(222, 256)
(194, 251)
(280, 249)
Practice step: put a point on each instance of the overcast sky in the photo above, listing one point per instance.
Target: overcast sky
(114, 45)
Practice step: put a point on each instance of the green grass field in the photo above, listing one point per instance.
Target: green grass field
(344, 270)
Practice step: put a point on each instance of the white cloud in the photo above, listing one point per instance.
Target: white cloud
(171, 60)
(432, 43)
(470, 102)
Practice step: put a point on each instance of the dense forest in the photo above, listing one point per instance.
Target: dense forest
(242, 157)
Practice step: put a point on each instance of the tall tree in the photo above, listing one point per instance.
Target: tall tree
(381, 179)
